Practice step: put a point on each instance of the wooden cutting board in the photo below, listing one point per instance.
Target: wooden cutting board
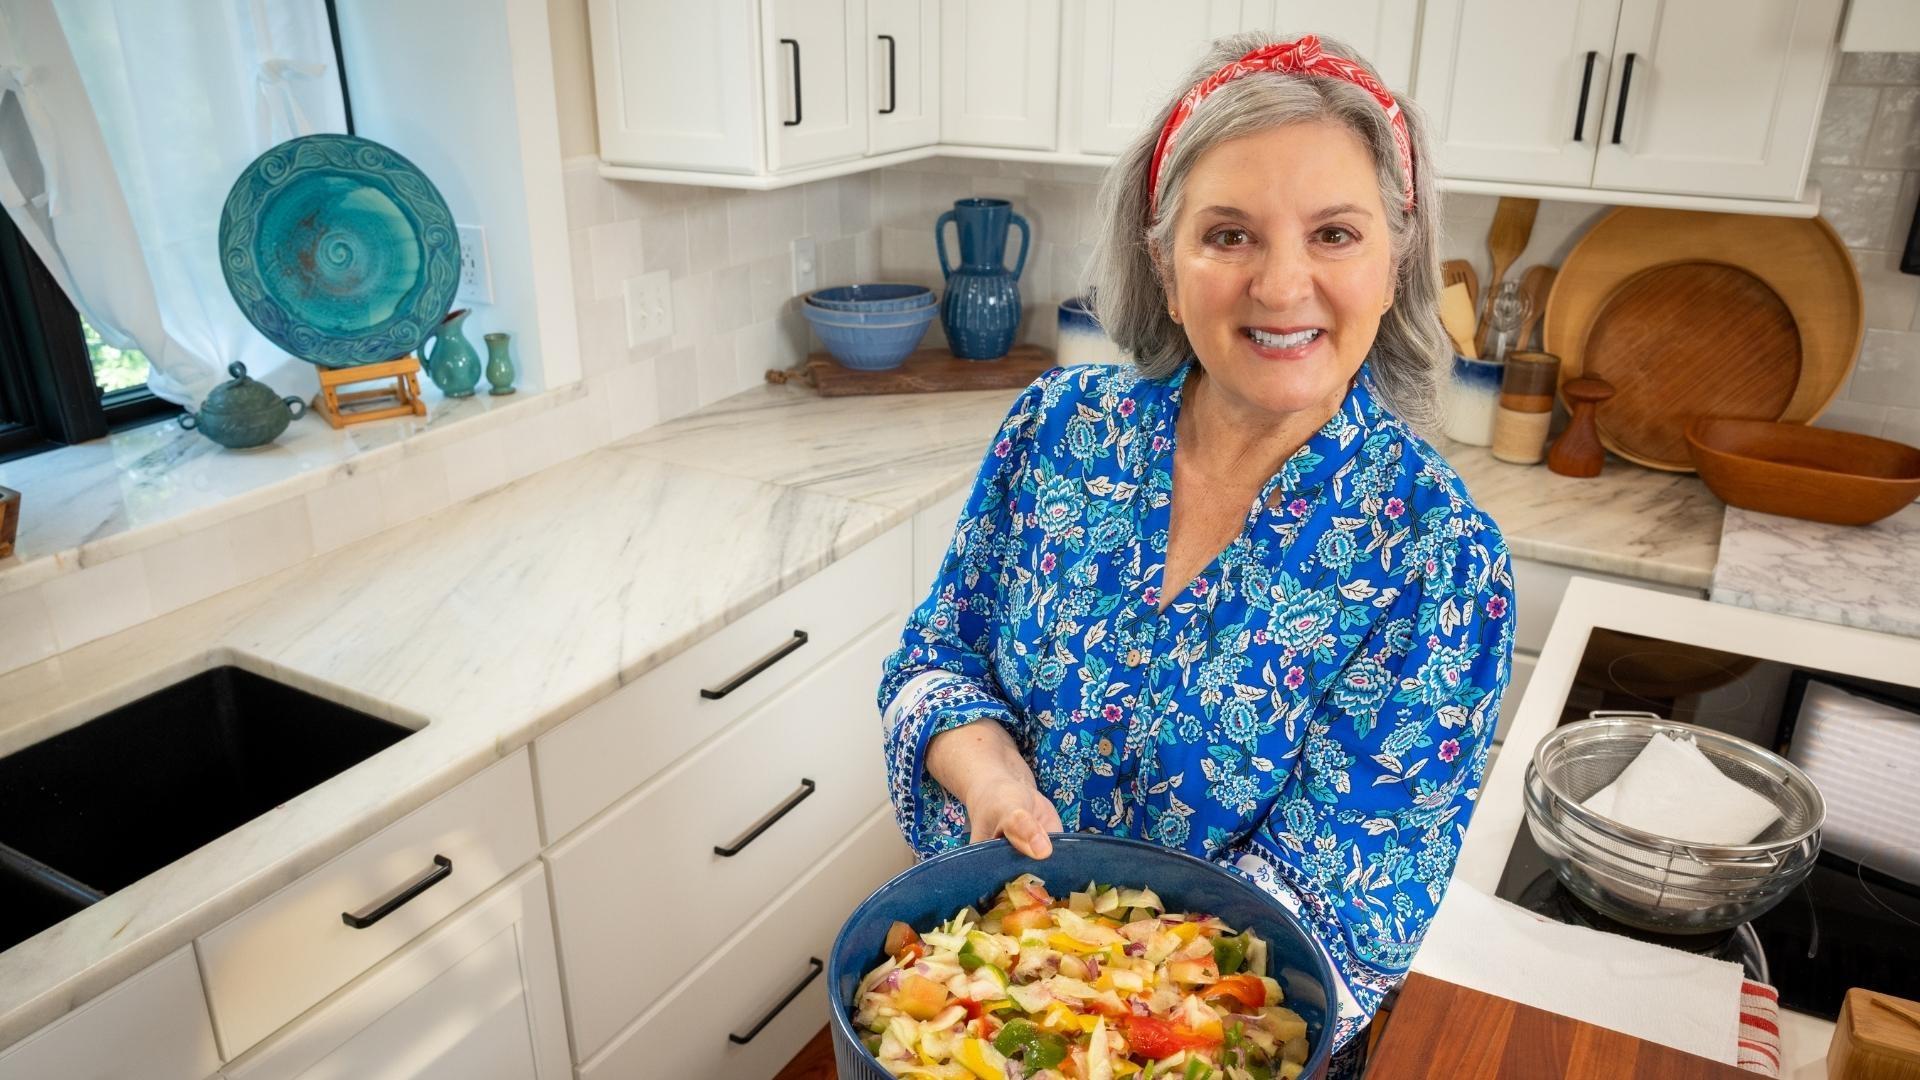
(1441, 1030)
(1801, 260)
(1687, 340)
(926, 371)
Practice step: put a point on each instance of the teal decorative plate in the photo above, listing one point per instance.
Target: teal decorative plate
(339, 250)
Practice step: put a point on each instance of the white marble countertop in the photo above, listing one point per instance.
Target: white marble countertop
(1866, 576)
(489, 622)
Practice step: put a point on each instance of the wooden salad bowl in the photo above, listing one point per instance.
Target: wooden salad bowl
(1804, 472)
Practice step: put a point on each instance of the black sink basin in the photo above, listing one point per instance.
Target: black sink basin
(101, 805)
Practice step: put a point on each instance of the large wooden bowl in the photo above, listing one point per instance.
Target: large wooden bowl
(1804, 472)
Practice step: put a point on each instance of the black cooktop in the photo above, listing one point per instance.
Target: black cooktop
(1846, 925)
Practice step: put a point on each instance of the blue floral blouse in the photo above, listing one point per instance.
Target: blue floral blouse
(1314, 710)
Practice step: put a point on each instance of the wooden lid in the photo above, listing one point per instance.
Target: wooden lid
(1886, 1023)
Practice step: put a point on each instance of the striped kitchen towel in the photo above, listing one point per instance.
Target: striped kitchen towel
(1759, 1048)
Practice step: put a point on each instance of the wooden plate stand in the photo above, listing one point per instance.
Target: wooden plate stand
(402, 398)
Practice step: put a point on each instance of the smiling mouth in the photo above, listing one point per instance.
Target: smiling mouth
(1296, 340)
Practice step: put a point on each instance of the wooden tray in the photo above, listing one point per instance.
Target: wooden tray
(1440, 1030)
(926, 371)
(1685, 309)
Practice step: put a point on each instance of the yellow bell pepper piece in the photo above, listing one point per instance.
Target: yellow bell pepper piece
(979, 1059)
(1185, 931)
(1073, 945)
(1060, 1018)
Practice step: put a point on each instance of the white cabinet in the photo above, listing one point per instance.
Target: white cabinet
(476, 998)
(816, 98)
(1514, 89)
(903, 90)
(1683, 97)
(1133, 55)
(153, 1026)
(932, 536)
(1000, 73)
(1716, 97)
(677, 85)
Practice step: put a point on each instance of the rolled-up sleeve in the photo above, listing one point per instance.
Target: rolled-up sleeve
(1362, 839)
(941, 677)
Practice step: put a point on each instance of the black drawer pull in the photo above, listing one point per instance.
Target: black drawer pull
(893, 85)
(1620, 112)
(442, 870)
(1586, 85)
(799, 796)
(814, 968)
(765, 662)
(797, 114)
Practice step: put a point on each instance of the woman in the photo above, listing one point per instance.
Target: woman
(1228, 600)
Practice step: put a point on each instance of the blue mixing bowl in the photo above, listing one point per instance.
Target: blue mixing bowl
(932, 891)
(870, 344)
(884, 297)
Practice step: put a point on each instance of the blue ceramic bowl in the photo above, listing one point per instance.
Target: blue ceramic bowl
(871, 297)
(870, 345)
(935, 889)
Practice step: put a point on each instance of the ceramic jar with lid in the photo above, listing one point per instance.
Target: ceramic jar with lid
(244, 412)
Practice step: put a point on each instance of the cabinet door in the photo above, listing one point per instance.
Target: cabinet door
(1134, 54)
(646, 56)
(1000, 72)
(816, 64)
(1506, 87)
(153, 1026)
(476, 998)
(932, 536)
(1722, 96)
(1383, 31)
(903, 55)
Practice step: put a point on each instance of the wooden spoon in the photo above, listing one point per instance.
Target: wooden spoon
(1506, 239)
(1535, 284)
(1460, 272)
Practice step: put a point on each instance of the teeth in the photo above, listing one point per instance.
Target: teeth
(1283, 341)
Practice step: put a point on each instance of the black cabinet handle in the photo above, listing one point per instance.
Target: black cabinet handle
(796, 83)
(442, 870)
(814, 968)
(739, 845)
(1620, 113)
(1586, 86)
(765, 662)
(893, 85)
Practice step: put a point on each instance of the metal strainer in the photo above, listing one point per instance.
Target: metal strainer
(1654, 882)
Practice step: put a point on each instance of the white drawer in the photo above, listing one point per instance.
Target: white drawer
(271, 962)
(641, 894)
(152, 1026)
(1538, 587)
(616, 744)
(742, 983)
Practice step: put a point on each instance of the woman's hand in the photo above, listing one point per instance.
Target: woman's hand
(984, 770)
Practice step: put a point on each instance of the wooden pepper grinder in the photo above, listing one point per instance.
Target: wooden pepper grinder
(1577, 452)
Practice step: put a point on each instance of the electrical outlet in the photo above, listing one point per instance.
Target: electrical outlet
(476, 274)
(806, 266)
(649, 307)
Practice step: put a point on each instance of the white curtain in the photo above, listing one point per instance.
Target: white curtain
(179, 96)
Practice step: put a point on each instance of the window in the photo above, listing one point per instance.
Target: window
(60, 382)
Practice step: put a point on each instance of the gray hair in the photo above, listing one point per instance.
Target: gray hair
(1130, 296)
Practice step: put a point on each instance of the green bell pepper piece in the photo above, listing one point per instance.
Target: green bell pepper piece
(969, 957)
(1230, 954)
(1035, 1048)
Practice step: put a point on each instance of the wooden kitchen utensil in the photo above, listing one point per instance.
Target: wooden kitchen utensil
(1460, 272)
(927, 370)
(9, 520)
(1800, 260)
(1456, 314)
(1578, 451)
(1506, 239)
(1441, 1030)
(1877, 1037)
(1684, 341)
(1536, 283)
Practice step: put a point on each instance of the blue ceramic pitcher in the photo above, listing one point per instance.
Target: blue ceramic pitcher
(981, 311)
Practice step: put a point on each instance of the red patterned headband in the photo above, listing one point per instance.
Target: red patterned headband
(1302, 57)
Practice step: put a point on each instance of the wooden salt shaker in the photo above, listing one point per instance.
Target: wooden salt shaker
(1526, 407)
(1577, 452)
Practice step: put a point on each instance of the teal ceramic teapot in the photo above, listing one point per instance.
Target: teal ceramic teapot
(243, 413)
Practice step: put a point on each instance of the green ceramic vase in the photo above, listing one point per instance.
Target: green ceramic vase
(452, 363)
(499, 364)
